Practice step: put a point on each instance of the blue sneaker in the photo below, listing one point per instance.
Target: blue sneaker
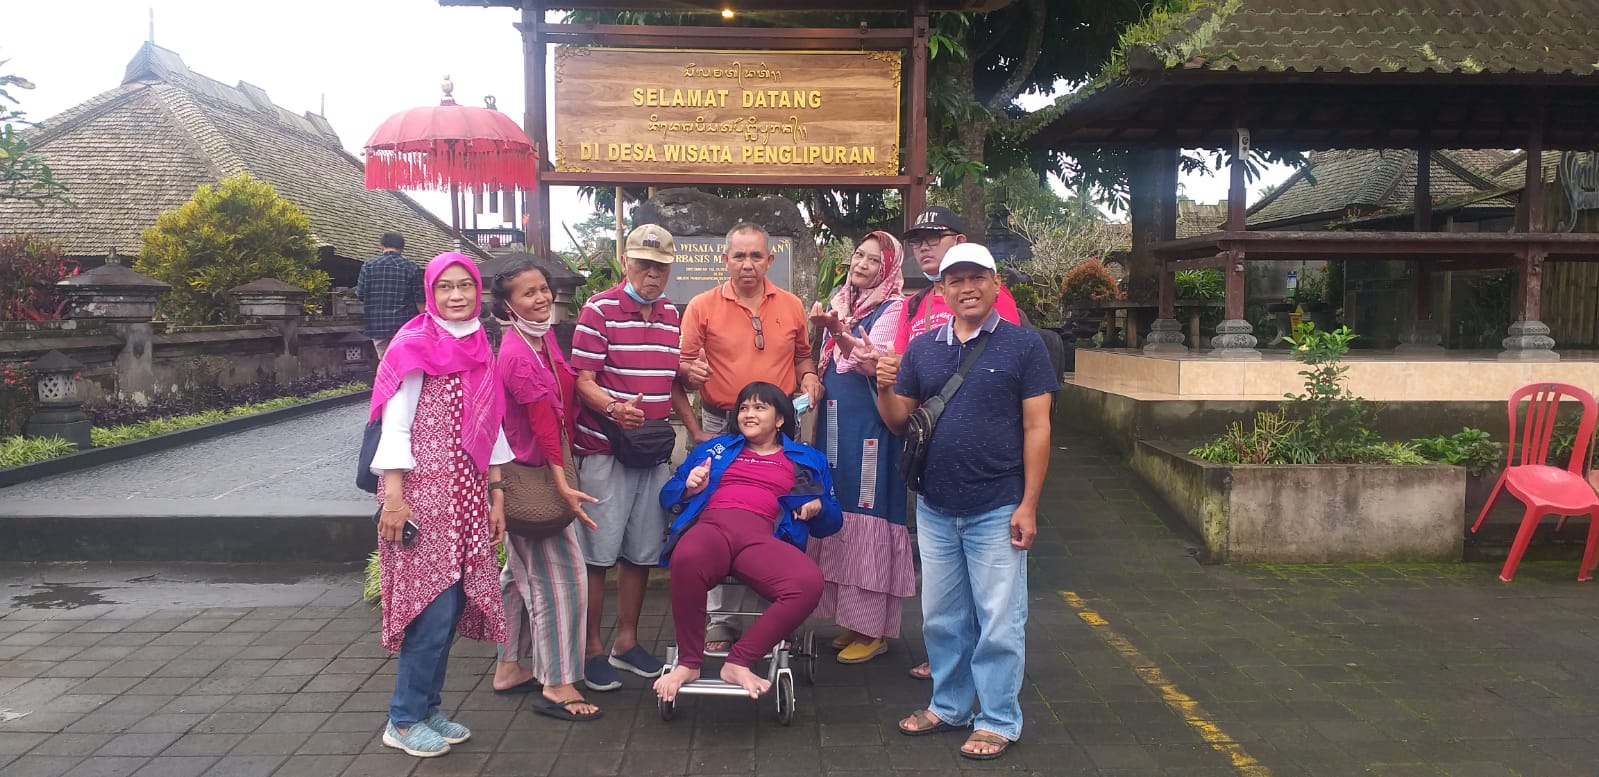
(599, 676)
(421, 740)
(639, 661)
(449, 730)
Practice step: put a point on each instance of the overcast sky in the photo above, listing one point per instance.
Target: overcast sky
(367, 59)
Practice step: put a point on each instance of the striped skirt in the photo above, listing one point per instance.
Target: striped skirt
(545, 587)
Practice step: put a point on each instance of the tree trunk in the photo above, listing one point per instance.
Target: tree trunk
(973, 135)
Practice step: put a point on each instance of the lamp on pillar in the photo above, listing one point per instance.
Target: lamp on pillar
(60, 411)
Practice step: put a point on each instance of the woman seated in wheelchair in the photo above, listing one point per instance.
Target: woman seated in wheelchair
(748, 501)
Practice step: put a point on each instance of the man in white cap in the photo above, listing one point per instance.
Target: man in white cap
(977, 510)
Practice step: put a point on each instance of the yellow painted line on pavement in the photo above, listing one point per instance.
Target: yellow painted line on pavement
(1185, 706)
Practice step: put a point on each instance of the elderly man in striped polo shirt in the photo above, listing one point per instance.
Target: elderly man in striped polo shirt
(625, 351)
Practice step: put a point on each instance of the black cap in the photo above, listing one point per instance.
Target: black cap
(936, 219)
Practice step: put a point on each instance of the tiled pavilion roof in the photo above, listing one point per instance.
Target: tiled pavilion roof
(141, 149)
(1342, 74)
(1346, 184)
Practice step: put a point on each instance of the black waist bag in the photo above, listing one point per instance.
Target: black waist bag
(919, 427)
(644, 447)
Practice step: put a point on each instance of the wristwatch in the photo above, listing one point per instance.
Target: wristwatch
(609, 409)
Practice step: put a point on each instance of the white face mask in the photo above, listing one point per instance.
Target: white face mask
(529, 328)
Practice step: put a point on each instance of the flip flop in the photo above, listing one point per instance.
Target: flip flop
(915, 675)
(562, 709)
(721, 634)
(526, 686)
(987, 738)
(922, 716)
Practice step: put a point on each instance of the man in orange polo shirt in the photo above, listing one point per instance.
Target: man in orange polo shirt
(742, 331)
(745, 330)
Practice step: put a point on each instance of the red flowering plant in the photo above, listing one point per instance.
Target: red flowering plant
(16, 397)
(1089, 281)
(29, 269)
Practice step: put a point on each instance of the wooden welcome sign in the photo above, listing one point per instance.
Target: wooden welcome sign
(699, 112)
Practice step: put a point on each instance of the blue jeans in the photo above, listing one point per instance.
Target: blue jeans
(974, 616)
(424, 656)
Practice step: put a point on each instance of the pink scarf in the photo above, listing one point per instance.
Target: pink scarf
(852, 306)
(423, 344)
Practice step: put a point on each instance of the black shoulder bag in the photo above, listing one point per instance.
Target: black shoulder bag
(919, 427)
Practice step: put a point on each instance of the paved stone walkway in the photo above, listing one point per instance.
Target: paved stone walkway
(1141, 662)
(304, 465)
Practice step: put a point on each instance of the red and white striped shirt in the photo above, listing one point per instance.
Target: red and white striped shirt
(628, 355)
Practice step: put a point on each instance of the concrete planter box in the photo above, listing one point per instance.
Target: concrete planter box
(1311, 513)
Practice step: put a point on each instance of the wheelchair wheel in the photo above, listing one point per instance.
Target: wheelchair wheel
(667, 708)
(807, 657)
(785, 698)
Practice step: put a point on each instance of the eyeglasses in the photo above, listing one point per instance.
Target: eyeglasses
(934, 239)
(760, 336)
(442, 289)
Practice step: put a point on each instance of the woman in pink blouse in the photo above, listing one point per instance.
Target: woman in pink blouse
(545, 583)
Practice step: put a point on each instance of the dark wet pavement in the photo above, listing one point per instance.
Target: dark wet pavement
(1140, 662)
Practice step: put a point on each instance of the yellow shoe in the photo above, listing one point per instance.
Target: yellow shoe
(861, 652)
(845, 639)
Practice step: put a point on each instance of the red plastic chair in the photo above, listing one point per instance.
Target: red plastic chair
(1543, 488)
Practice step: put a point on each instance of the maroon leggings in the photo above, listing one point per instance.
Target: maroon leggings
(740, 543)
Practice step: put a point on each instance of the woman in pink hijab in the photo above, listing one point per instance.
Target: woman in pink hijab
(867, 565)
(442, 513)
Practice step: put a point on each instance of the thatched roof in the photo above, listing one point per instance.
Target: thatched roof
(141, 149)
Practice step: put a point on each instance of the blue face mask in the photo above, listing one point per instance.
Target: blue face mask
(632, 292)
(930, 278)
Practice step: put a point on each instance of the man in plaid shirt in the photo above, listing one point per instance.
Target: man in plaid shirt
(390, 288)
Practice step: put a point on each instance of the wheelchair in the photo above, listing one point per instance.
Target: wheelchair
(796, 652)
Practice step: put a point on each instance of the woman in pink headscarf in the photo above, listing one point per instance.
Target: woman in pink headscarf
(442, 513)
(867, 565)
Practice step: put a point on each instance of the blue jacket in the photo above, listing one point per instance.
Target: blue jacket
(813, 481)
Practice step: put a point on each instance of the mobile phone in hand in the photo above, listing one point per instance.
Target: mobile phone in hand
(410, 533)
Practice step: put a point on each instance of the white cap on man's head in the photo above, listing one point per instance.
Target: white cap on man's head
(967, 253)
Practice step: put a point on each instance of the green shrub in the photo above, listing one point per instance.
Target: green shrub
(1324, 424)
(226, 236)
(17, 451)
(1471, 448)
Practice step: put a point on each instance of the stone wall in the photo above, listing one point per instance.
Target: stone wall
(114, 365)
(125, 353)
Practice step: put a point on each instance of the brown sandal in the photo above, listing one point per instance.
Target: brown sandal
(926, 723)
(985, 738)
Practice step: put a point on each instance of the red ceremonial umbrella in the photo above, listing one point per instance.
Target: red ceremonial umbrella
(449, 146)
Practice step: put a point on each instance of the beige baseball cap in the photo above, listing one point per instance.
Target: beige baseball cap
(650, 242)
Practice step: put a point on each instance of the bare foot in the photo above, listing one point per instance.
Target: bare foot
(742, 677)
(667, 686)
(560, 693)
(509, 674)
(922, 671)
(719, 646)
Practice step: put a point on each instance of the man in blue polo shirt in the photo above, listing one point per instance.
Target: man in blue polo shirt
(978, 510)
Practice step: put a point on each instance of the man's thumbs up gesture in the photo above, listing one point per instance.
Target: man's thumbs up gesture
(887, 370)
(696, 372)
(698, 477)
(629, 415)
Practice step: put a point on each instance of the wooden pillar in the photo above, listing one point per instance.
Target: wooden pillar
(1165, 332)
(1420, 333)
(536, 123)
(1529, 338)
(916, 142)
(1235, 336)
